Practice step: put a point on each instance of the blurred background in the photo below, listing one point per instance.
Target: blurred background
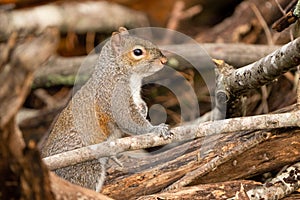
(82, 25)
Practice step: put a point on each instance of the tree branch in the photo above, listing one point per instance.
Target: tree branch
(63, 71)
(233, 83)
(180, 134)
(76, 16)
(265, 70)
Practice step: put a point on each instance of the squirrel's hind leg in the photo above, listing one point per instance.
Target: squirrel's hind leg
(101, 179)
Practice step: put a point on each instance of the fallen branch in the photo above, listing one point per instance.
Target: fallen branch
(149, 174)
(182, 133)
(265, 70)
(80, 17)
(233, 83)
(63, 71)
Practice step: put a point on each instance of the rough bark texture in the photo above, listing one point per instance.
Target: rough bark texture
(233, 83)
(23, 175)
(151, 174)
(180, 134)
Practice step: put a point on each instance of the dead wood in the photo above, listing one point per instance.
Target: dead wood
(233, 83)
(64, 71)
(80, 17)
(18, 166)
(63, 189)
(151, 174)
(219, 157)
(23, 174)
(243, 25)
(180, 134)
(286, 182)
(221, 190)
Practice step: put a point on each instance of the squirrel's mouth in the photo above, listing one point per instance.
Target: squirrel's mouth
(159, 63)
(163, 60)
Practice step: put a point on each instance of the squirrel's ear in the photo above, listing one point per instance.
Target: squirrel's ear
(116, 42)
(116, 39)
(123, 31)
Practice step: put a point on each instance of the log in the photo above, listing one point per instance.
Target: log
(151, 174)
(23, 175)
(80, 17)
(63, 71)
(221, 190)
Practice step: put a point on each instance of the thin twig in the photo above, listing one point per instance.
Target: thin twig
(175, 15)
(179, 14)
(263, 23)
(280, 7)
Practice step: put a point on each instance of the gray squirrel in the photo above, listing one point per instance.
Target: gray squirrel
(107, 106)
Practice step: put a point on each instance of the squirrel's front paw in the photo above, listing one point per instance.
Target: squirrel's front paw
(163, 130)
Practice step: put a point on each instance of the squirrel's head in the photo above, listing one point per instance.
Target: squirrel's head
(135, 54)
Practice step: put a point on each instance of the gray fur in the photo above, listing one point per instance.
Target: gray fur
(112, 94)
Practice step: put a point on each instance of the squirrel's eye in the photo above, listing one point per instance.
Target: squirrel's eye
(138, 52)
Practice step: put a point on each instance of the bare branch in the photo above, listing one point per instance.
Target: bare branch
(76, 16)
(232, 83)
(180, 134)
(63, 71)
(265, 70)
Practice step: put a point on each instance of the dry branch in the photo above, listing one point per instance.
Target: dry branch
(181, 133)
(21, 169)
(232, 83)
(80, 17)
(63, 71)
(243, 26)
(265, 70)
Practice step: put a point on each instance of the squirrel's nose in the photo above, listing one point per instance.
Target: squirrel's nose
(163, 60)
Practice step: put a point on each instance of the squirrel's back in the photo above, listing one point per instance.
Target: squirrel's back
(108, 105)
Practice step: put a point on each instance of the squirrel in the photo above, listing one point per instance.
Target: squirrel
(107, 106)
